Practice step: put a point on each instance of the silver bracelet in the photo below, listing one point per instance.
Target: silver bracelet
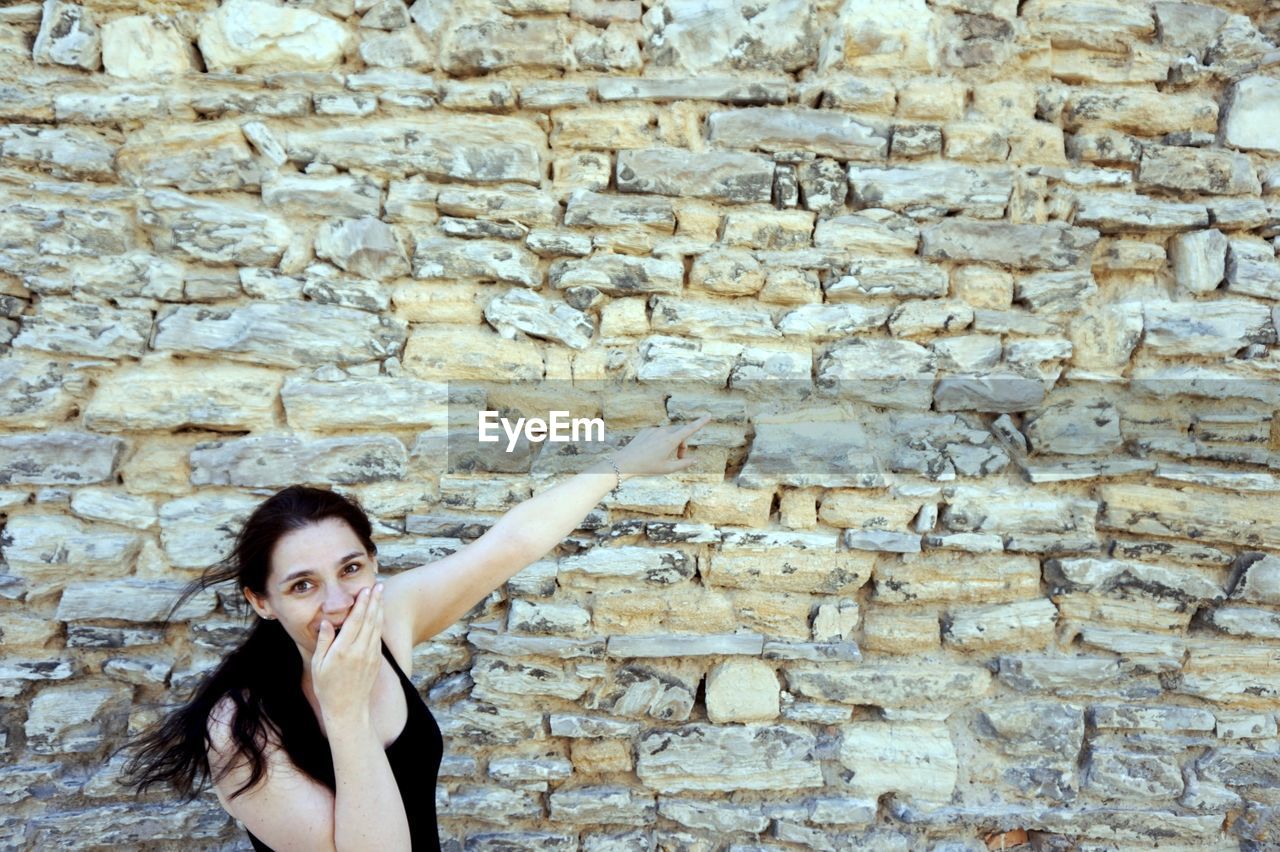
(614, 491)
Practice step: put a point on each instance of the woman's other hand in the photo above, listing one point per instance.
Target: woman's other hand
(660, 449)
(345, 666)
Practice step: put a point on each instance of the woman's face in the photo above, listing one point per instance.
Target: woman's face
(316, 573)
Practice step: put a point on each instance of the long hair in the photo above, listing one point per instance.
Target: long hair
(262, 676)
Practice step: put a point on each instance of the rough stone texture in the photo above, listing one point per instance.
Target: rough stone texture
(1019, 246)
(1248, 120)
(257, 34)
(733, 177)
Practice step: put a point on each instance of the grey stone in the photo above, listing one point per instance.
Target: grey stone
(133, 275)
(367, 247)
(872, 231)
(591, 727)
(1133, 775)
(336, 195)
(1248, 622)
(690, 36)
(833, 454)
(199, 530)
(213, 231)
(131, 600)
(39, 548)
(1260, 582)
(266, 462)
(162, 157)
(894, 277)
(31, 230)
(619, 274)
(703, 87)
(993, 392)
(1248, 121)
(1114, 212)
(824, 186)
(1198, 171)
(587, 208)
(893, 373)
(706, 757)
(507, 645)
(901, 685)
(1220, 327)
(490, 260)
(710, 320)
(831, 322)
(1067, 676)
(935, 189)
(68, 36)
(58, 458)
(491, 149)
(721, 176)
(885, 541)
(1252, 268)
(667, 645)
(521, 310)
(529, 43)
(35, 393)
(1077, 425)
(512, 203)
(105, 504)
(316, 335)
(828, 133)
(1055, 292)
(73, 718)
(647, 565)
(1049, 731)
(615, 805)
(713, 815)
(1138, 717)
(1199, 260)
(484, 802)
(1051, 246)
(498, 679)
(70, 327)
(1106, 575)
(514, 841)
(63, 152)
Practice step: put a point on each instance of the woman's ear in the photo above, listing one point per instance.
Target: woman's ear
(260, 606)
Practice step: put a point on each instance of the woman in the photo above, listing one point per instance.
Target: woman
(310, 730)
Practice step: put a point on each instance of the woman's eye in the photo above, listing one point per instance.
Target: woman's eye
(298, 587)
(355, 566)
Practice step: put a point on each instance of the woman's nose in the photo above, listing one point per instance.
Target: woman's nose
(337, 599)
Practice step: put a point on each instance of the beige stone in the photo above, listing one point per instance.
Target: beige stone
(604, 128)
(893, 631)
(164, 394)
(258, 34)
(781, 614)
(624, 318)
(729, 504)
(677, 610)
(790, 570)
(458, 353)
(596, 757)
(931, 98)
(143, 46)
(455, 303)
(983, 286)
(742, 690)
(937, 576)
(852, 509)
(798, 508)
(791, 287)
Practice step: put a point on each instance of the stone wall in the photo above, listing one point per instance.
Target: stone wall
(1002, 556)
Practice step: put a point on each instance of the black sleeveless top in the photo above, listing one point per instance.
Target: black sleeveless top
(414, 757)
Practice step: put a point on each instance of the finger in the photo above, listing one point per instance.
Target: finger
(686, 431)
(323, 641)
(367, 627)
(359, 616)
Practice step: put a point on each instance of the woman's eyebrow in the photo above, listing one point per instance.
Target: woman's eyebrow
(302, 572)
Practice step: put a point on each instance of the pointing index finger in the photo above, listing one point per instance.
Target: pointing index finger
(686, 431)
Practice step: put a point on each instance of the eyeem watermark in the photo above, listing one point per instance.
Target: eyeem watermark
(560, 428)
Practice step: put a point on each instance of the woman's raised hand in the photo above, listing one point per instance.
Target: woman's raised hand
(345, 666)
(660, 449)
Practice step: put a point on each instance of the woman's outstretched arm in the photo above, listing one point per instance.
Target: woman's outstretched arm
(434, 596)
